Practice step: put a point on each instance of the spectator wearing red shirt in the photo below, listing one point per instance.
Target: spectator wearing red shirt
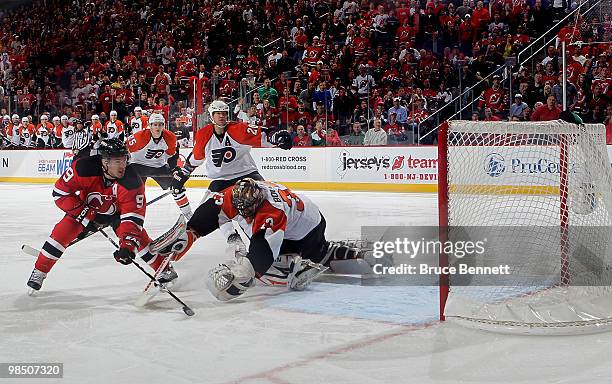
(161, 82)
(489, 116)
(302, 139)
(548, 111)
(480, 17)
(287, 106)
(493, 97)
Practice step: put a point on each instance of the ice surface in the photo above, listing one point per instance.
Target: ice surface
(85, 317)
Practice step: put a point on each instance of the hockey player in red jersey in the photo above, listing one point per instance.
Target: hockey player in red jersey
(286, 231)
(154, 153)
(225, 149)
(93, 192)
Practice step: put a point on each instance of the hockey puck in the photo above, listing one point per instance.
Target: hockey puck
(188, 311)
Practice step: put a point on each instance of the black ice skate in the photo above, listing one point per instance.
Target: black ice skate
(35, 282)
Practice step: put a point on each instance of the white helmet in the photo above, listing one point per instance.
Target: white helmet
(56, 118)
(64, 118)
(15, 117)
(6, 117)
(113, 113)
(217, 106)
(95, 117)
(137, 109)
(44, 117)
(25, 120)
(156, 118)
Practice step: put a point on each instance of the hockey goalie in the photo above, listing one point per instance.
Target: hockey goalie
(286, 231)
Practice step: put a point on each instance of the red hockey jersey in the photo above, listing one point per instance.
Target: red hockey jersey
(83, 184)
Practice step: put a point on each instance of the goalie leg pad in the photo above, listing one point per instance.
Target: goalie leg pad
(303, 272)
(278, 273)
(230, 280)
(170, 236)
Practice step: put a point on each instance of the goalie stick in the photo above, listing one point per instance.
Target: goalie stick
(28, 249)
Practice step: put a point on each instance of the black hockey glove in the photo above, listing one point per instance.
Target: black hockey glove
(282, 139)
(124, 256)
(179, 177)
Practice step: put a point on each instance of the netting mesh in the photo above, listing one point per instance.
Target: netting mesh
(541, 193)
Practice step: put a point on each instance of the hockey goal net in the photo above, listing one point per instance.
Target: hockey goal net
(540, 194)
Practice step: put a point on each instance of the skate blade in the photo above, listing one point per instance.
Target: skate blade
(32, 292)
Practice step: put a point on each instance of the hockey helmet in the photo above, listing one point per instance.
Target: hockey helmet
(156, 118)
(112, 148)
(217, 106)
(247, 196)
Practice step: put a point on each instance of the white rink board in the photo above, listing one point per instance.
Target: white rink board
(407, 166)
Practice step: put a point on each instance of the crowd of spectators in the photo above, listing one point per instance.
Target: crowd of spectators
(335, 73)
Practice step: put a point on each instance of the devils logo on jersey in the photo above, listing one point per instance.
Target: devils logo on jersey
(102, 203)
(223, 155)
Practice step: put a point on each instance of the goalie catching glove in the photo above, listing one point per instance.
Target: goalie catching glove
(229, 280)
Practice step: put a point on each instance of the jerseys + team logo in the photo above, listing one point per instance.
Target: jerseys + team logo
(102, 203)
(154, 153)
(222, 155)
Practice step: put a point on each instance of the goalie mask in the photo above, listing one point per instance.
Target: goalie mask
(247, 196)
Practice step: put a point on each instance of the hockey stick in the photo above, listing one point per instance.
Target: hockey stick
(188, 311)
(27, 249)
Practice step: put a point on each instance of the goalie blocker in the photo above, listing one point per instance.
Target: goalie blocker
(281, 226)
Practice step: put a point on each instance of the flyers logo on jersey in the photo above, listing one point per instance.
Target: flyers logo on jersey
(223, 155)
(154, 153)
(268, 223)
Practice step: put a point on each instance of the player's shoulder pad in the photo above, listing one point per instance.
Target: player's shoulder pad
(168, 135)
(205, 133)
(131, 180)
(88, 166)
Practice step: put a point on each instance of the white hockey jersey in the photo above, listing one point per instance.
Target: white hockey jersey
(13, 134)
(26, 132)
(137, 124)
(145, 150)
(229, 156)
(113, 128)
(282, 215)
(68, 136)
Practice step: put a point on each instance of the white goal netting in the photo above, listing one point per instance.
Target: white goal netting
(541, 196)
